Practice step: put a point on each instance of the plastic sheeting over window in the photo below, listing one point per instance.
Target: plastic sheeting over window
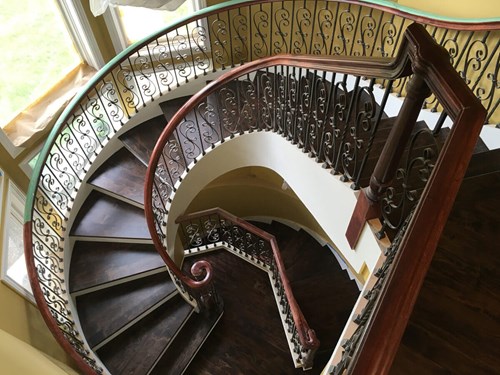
(46, 109)
(98, 7)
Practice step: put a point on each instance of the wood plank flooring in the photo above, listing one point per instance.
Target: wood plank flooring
(104, 312)
(109, 262)
(249, 338)
(136, 350)
(455, 326)
(104, 216)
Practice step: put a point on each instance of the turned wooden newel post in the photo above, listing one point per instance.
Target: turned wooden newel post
(367, 206)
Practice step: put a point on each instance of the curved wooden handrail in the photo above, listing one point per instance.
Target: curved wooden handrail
(307, 336)
(386, 68)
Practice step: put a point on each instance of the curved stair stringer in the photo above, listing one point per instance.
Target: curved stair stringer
(328, 199)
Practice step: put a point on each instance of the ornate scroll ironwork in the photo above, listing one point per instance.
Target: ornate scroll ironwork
(351, 344)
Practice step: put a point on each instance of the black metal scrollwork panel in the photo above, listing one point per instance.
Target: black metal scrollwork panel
(404, 193)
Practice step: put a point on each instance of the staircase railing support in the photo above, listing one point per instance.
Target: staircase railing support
(367, 206)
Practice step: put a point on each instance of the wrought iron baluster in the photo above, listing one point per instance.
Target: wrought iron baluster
(387, 91)
(342, 142)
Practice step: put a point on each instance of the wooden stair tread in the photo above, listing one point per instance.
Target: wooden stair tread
(96, 263)
(104, 216)
(105, 311)
(137, 349)
(170, 107)
(122, 174)
(140, 140)
(483, 163)
(180, 354)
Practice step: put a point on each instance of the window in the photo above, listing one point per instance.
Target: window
(129, 24)
(39, 53)
(46, 42)
(13, 263)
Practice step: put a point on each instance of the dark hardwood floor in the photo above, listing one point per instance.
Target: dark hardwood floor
(455, 326)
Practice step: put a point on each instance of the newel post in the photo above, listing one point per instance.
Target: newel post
(367, 206)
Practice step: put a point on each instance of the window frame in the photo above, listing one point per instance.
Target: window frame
(14, 205)
(115, 27)
(80, 31)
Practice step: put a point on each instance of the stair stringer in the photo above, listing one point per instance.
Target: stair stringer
(328, 199)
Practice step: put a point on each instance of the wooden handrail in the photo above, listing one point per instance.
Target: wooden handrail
(391, 312)
(386, 68)
(307, 336)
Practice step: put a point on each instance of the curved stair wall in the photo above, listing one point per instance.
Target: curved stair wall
(154, 67)
(307, 179)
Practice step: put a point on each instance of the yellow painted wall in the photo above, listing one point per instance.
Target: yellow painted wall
(18, 358)
(456, 8)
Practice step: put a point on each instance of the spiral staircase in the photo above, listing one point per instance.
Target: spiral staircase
(131, 313)
(98, 239)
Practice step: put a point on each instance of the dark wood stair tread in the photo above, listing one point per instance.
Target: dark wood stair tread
(105, 311)
(483, 163)
(185, 346)
(140, 140)
(170, 107)
(137, 349)
(104, 216)
(96, 263)
(455, 323)
(122, 174)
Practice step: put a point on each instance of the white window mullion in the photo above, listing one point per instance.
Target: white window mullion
(115, 29)
(81, 32)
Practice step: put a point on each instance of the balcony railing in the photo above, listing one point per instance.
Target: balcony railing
(222, 37)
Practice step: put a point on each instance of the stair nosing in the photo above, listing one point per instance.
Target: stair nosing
(117, 196)
(138, 318)
(132, 240)
(119, 281)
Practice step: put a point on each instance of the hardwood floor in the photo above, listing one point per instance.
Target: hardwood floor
(455, 326)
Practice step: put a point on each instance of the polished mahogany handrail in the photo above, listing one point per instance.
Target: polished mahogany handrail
(392, 311)
(127, 58)
(307, 336)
